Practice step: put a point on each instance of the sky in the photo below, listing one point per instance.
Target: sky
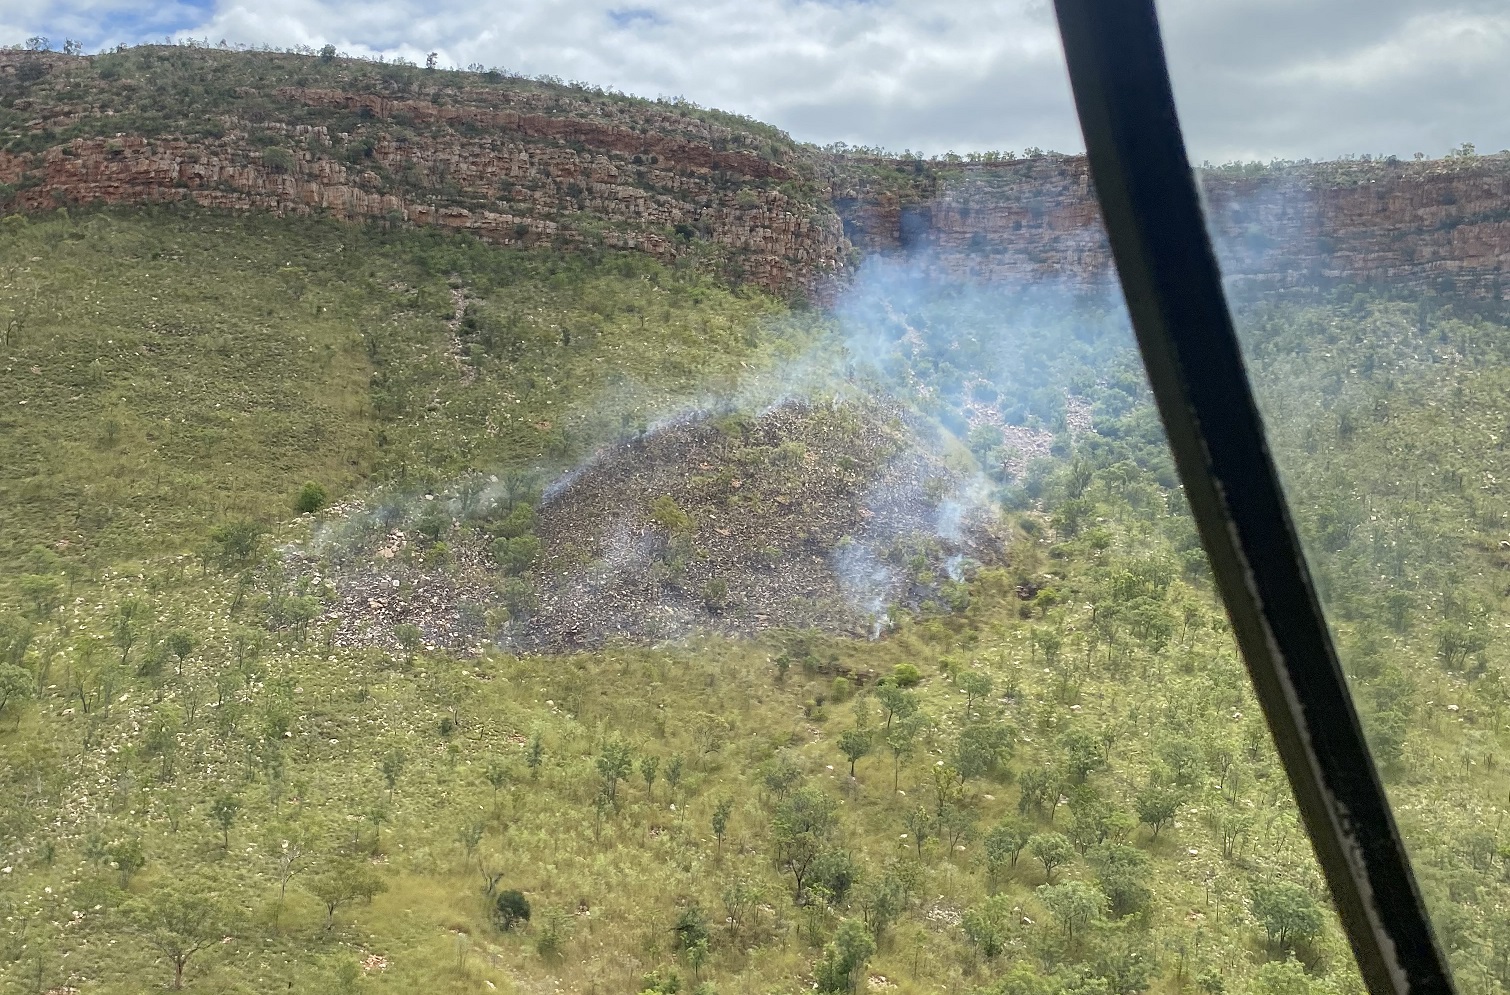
(1254, 79)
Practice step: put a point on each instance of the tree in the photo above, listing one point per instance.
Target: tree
(882, 901)
(1157, 804)
(1082, 752)
(510, 909)
(674, 768)
(650, 766)
(854, 744)
(1034, 787)
(844, 958)
(178, 924)
(392, 767)
(127, 856)
(343, 883)
(15, 687)
(896, 703)
(1283, 977)
(1051, 850)
(125, 626)
(534, 755)
(497, 775)
(1073, 904)
(919, 823)
(1122, 873)
(290, 860)
(981, 749)
(901, 740)
(409, 637)
(1287, 911)
(614, 765)
(988, 925)
(1004, 844)
(236, 543)
(311, 498)
(721, 813)
(470, 836)
(223, 810)
(180, 642)
(976, 687)
(800, 832)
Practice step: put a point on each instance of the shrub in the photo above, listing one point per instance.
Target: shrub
(518, 522)
(906, 675)
(716, 595)
(311, 499)
(510, 909)
(515, 556)
(666, 513)
(278, 160)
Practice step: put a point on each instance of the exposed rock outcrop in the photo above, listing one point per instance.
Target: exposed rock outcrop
(518, 161)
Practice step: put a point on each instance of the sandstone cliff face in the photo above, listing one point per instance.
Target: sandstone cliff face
(1438, 225)
(500, 172)
(521, 162)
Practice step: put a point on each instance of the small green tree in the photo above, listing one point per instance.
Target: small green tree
(854, 744)
(844, 958)
(409, 637)
(1122, 873)
(1082, 752)
(125, 626)
(178, 924)
(534, 755)
(343, 883)
(721, 813)
(515, 556)
(392, 767)
(674, 769)
(1073, 904)
(236, 543)
(614, 765)
(977, 686)
(1004, 844)
(127, 856)
(1157, 805)
(497, 776)
(650, 768)
(800, 831)
(311, 498)
(1051, 850)
(988, 925)
(180, 642)
(1287, 911)
(510, 909)
(223, 811)
(896, 703)
(15, 687)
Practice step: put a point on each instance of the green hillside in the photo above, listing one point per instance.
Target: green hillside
(226, 739)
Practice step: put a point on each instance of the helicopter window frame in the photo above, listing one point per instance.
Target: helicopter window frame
(1185, 333)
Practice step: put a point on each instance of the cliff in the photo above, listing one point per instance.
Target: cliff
(525, 162)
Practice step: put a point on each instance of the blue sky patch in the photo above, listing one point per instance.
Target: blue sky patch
(632, 17)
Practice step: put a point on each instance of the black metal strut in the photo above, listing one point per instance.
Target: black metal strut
(1179, 312)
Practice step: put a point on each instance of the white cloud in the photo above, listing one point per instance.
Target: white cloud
(1255, 78)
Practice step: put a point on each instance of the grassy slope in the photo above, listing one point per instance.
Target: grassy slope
(719, 704)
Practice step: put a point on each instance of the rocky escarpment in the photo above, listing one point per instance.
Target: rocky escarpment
(511, 164)
(526, 162)
(1436, 225)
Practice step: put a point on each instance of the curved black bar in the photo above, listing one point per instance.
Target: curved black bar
(1174, 294)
